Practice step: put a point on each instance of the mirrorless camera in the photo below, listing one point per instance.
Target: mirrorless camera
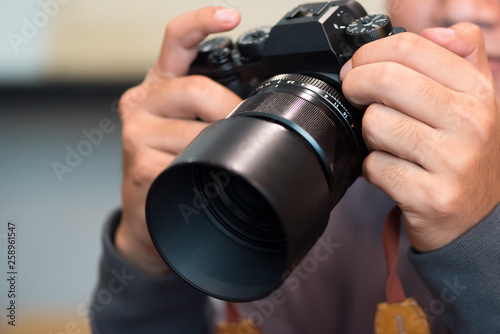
(243, 204)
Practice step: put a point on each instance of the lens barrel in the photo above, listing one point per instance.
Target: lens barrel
(249, 197)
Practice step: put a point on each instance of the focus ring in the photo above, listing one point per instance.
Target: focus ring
(318, 113)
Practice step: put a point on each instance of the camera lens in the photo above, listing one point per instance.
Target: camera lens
(241, 212)
(249, 197)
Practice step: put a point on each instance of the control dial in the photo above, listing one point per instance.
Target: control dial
(368, 29)
(252, 43)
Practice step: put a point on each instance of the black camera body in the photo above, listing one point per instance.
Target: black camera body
(310, 38)
(242, 205)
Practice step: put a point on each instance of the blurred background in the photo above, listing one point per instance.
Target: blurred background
(63, 66)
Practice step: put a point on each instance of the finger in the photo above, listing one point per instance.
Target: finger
(345, 69)
(404, 89)
(172, 135)
(185, 32)
(423, 56)
(402, 180)
(190, 98)
(386, 129)
(465, 40)
(163, 134)
(142, 168)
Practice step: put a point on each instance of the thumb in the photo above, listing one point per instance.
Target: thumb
(465, 40)
(185, 32)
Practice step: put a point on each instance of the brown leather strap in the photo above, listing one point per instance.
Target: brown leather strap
(232, 313)
(390, 235)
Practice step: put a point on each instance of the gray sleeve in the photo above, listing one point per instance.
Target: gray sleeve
(127, 300)
(464, 278)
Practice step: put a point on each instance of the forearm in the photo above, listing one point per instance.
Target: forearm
(464, 277)
(127, 300)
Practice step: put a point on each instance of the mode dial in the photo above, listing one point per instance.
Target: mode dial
(213, 48)
(368, 29)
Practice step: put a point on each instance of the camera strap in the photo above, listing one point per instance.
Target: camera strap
(398, 314)
(235, 324)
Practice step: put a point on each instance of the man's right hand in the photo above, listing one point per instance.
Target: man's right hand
(160, 117)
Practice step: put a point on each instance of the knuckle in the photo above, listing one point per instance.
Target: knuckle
(387, 76)
(378, 168)
(415, 138)
(347, 87)
(405, 128)
(369, 166)
(465, 165)
(369, 124)
(446, 201)
(131, 133)
(396, 177)
(130, 100)
(141, 171)
(407, 43)
(124, 102)
(198, 87)
(425, 91)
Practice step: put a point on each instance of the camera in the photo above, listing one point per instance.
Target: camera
(242, 205)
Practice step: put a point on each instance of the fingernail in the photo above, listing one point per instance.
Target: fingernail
(226, 15)
(345, 69)
(444, 32)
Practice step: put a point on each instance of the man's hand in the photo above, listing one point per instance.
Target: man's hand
(160, 117)
(432, 126)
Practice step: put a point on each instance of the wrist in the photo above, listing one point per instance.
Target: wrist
(140, 253)
(428, 239)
